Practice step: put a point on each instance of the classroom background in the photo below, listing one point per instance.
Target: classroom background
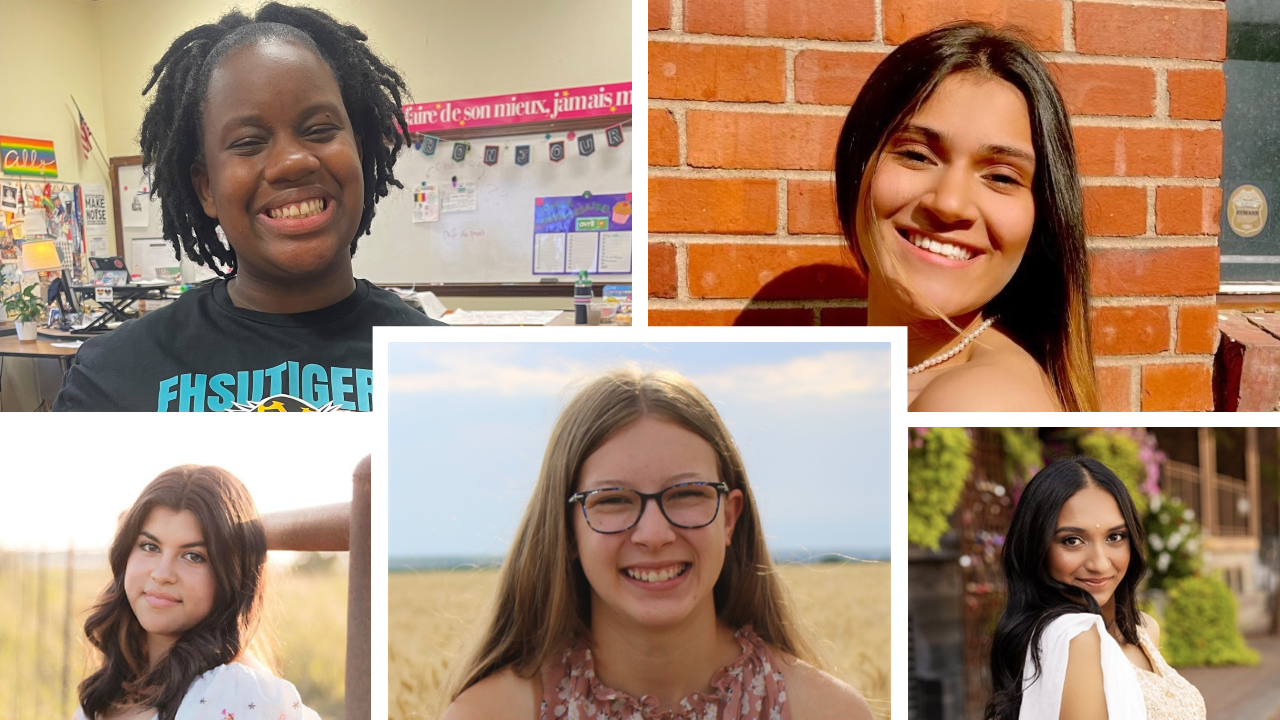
(101, 53)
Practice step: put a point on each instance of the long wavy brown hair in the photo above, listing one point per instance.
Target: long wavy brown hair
(544, 599)
(237, 547)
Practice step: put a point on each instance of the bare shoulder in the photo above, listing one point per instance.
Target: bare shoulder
(501, 696)
(1152, 627)
(1082, 694)
(816, 695)
(999, 376)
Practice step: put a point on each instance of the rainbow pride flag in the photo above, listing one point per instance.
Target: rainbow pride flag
(27, 157)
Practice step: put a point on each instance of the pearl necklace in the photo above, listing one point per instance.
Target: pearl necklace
(937, 359)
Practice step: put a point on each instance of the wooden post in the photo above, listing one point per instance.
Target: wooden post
(359, 586)
(66, 634)
(1208, 482)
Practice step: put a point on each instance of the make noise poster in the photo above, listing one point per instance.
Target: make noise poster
(582, 232)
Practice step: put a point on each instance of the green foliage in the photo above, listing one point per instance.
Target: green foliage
(25, 306)
(1173, 541)
(1119, 452)
(937, 466)
(1200, 625)
(1023, 454)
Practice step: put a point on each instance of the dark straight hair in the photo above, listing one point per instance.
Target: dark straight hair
(1035, 598)
(1045, 306)
(237, 547)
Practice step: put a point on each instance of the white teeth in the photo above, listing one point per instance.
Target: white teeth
(306, 208)
(954, 252)
(662, 575)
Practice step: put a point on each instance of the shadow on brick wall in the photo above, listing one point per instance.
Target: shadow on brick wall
(821, 283)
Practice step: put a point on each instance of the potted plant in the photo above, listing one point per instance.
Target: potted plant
(26, 307)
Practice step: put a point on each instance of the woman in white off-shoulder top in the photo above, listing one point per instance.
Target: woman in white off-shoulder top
(177, 621)
(1072, 643)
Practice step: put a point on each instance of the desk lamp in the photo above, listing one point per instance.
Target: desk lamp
(42, 256)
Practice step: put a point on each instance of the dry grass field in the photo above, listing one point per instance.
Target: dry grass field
(432, 616)
(306, 613)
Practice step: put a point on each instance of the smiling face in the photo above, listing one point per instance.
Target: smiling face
(1090, 546)
(627, 570)
(952, 208)
(167, 579)
(281, 171)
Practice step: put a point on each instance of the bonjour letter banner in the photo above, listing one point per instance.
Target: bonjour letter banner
(545, 106)
(26, 156)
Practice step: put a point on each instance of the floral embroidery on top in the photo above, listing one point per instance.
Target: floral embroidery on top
(750, 688)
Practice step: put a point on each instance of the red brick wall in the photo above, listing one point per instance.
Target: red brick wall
(747, 99)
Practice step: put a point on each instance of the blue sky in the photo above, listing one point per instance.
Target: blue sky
(469, 423)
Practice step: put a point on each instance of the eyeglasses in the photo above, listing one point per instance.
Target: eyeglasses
(687, 505)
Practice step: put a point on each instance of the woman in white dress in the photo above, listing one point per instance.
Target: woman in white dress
(176, 623)
(1072, 643)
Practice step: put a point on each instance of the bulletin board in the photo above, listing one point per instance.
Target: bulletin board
(39, 209)
(490, 237)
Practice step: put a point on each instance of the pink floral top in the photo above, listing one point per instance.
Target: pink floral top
(749, 688)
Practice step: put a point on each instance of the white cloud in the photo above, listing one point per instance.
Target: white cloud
(827, 375)
(493, 370)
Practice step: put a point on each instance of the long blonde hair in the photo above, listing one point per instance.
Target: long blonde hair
(544, 600)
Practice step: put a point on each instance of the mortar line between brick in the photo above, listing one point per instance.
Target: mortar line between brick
(879, 21)
(1201, 4)
(1135, 389)
(1143, 243)
(1068, 27)
(782, 210)
(1151, 211)
(789, 77)
(1152, 301)
(682, 271)
(682, 138)
(1162, 92)
(767, 41)
(677, 16)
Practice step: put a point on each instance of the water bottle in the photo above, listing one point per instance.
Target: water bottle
(581, 298)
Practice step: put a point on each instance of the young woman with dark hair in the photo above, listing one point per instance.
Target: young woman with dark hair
(177, 622)
(957, 191)
(281, 130)
(1072, 643)
(639, 584)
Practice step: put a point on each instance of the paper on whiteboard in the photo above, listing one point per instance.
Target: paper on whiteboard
(501, 317)
(615, 252)
(460, 198)
(548, 253)
(135, 202)
(582, 251)
(151, 255)
(426, 204)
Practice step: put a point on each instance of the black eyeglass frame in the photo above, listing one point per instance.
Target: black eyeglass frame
(722, 488)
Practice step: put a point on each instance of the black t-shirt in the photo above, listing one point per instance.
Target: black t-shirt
(204, 353)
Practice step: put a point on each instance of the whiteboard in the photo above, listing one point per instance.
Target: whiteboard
(495, 242)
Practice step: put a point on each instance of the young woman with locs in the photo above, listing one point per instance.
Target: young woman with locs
(280, 130)
(957, 191)
(639, 584)
(1072, 643)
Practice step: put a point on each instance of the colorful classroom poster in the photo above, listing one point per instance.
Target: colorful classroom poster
(27, 157)
(426, 203)
(581, 221)
(615, 252)
(460, 197)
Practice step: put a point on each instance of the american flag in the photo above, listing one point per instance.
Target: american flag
(84, 136)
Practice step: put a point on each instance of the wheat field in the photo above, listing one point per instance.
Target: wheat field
(305, 614)
(432, 616)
